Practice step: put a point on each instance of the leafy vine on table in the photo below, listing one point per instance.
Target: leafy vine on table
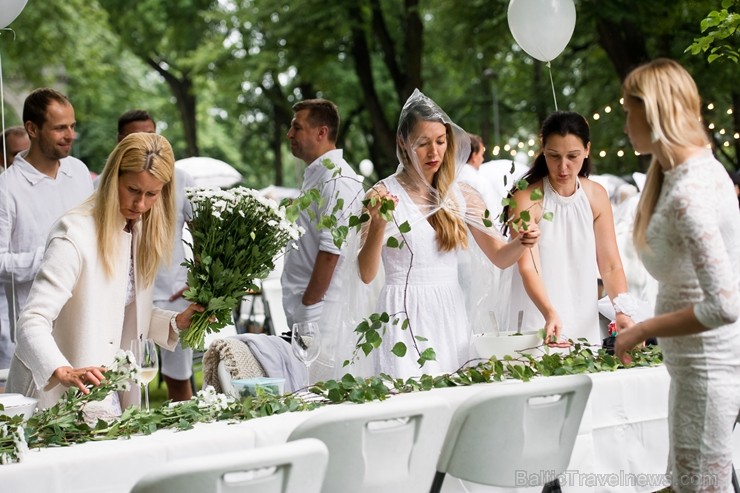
(64, 423)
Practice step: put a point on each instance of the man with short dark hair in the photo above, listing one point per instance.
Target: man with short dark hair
(14, 141)
(43, 183)
(134, 121)
(307, 276)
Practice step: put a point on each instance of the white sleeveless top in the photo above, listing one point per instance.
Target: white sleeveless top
(569, 271)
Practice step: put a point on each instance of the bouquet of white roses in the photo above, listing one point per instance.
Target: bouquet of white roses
(237, 234)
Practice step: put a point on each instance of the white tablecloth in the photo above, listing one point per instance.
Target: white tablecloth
(622, 444)
(115, 466)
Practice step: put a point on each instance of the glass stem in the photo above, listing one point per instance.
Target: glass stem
(146, 396)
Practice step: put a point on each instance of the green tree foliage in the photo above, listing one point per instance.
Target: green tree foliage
(167, 36)
(68, 45)
(719, 29)
(221, 76)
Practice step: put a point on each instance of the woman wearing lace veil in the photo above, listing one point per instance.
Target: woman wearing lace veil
(687, 232)
(435, 221)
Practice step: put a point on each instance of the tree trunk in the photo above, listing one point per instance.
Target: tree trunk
(414, 44)
(624, 43)
(405, 72)
(383, 132)
(182, 89)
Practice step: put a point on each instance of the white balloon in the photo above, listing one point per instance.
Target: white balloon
(366, 167)
(9, 10)
(542, 28)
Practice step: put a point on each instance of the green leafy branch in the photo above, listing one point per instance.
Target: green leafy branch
(520, 222)
(329, 220)
(370, 329)
(579, 359)
(63, 423)
(718, 27)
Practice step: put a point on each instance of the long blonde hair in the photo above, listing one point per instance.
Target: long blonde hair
(450, 229)
(673, 112)
(137, 152)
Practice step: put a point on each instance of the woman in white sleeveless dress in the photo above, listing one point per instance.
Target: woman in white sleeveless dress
(556, 286)
(422, 289)
(687, 231)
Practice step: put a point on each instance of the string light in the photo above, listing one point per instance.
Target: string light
(514, 145)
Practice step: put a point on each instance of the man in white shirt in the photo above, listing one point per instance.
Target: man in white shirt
(307, 276)
(43, 183)
(15, 140)
(470, 174)
(170, 283)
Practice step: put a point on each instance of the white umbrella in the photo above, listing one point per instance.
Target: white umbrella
(209, 172)
(278, 193)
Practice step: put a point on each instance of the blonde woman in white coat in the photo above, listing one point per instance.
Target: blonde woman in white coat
(93, 293)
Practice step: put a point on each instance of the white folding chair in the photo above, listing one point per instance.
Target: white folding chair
(296, 467)
(389, 446)
(515, 436)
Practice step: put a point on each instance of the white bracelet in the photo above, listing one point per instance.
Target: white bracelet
(173, 325)
(630, 305)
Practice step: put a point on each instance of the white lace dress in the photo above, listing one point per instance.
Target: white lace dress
(569, 271)
(693, 251)
(433, 298)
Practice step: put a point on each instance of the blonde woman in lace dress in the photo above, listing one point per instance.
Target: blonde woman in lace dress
(687, 231)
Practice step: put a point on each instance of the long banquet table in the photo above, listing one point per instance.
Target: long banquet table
(621, 446)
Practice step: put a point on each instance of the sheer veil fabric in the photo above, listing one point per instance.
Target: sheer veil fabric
(484, 286)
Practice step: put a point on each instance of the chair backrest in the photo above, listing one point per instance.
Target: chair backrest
(296, 467)
(380, 447)
(518, 435)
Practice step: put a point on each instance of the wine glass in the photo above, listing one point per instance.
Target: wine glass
(149, 362)
(306, 342)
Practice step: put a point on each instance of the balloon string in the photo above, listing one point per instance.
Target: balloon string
(552, 85)
(8, 29)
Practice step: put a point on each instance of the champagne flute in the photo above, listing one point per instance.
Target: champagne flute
(149, 363)
(306, 343)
